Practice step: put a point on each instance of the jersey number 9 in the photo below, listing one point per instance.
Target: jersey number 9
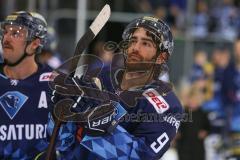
(161, 141)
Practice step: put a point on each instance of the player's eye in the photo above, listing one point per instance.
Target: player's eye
(15, 34)
(132, 42)
(146, 43)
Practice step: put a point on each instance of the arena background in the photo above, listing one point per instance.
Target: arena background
(197, 25)
(69, 18)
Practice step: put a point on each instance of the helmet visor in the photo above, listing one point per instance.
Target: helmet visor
(14, 31)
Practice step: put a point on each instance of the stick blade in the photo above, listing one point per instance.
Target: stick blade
(101, 19)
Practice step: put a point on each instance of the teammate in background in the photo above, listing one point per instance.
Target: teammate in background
(49, 54)
(231, 101)
(139, 135)
(24, 87)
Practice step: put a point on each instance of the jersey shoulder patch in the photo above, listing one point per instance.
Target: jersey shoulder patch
(156, 100)
(47, 76)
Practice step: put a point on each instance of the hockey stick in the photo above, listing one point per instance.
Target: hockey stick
(82, 44)
(92, 31)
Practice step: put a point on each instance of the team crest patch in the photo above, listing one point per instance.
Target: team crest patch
(12, 102)
(156, 100)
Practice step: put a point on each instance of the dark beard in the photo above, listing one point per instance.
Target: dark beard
(138, 66)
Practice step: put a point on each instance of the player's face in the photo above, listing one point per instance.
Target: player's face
(13, 42)
(141, 47)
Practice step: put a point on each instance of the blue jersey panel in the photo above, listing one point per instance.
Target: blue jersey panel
(144, 133)
(24, 106)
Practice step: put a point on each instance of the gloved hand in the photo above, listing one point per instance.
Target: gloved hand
(101, 120)
(80, 100)
(64, 93)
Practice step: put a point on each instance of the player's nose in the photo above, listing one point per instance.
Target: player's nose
(136, 46)
(6, 38)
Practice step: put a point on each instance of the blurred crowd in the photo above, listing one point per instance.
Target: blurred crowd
(215, 18)
(210, 93)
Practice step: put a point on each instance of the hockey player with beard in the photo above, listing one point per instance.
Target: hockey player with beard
(153, 110)
(24, 87)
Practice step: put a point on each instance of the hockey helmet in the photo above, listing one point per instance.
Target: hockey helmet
(34, 22)
(161, 31)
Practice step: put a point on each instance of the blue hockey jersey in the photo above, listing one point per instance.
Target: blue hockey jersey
(144, 133)
(24, 108)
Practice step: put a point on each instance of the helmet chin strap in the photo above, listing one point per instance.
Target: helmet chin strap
(5, 62)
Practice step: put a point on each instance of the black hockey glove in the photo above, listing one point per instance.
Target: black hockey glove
(81, 100)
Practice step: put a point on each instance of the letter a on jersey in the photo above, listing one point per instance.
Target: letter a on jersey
(43, 100)
(12, 102)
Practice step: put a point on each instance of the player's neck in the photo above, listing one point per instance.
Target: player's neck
(23, 70)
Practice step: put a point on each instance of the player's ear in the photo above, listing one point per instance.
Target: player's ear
(32, 47)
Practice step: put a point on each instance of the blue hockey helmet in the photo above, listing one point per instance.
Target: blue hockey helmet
(161, 31)
(34, 22)
(162, 37)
